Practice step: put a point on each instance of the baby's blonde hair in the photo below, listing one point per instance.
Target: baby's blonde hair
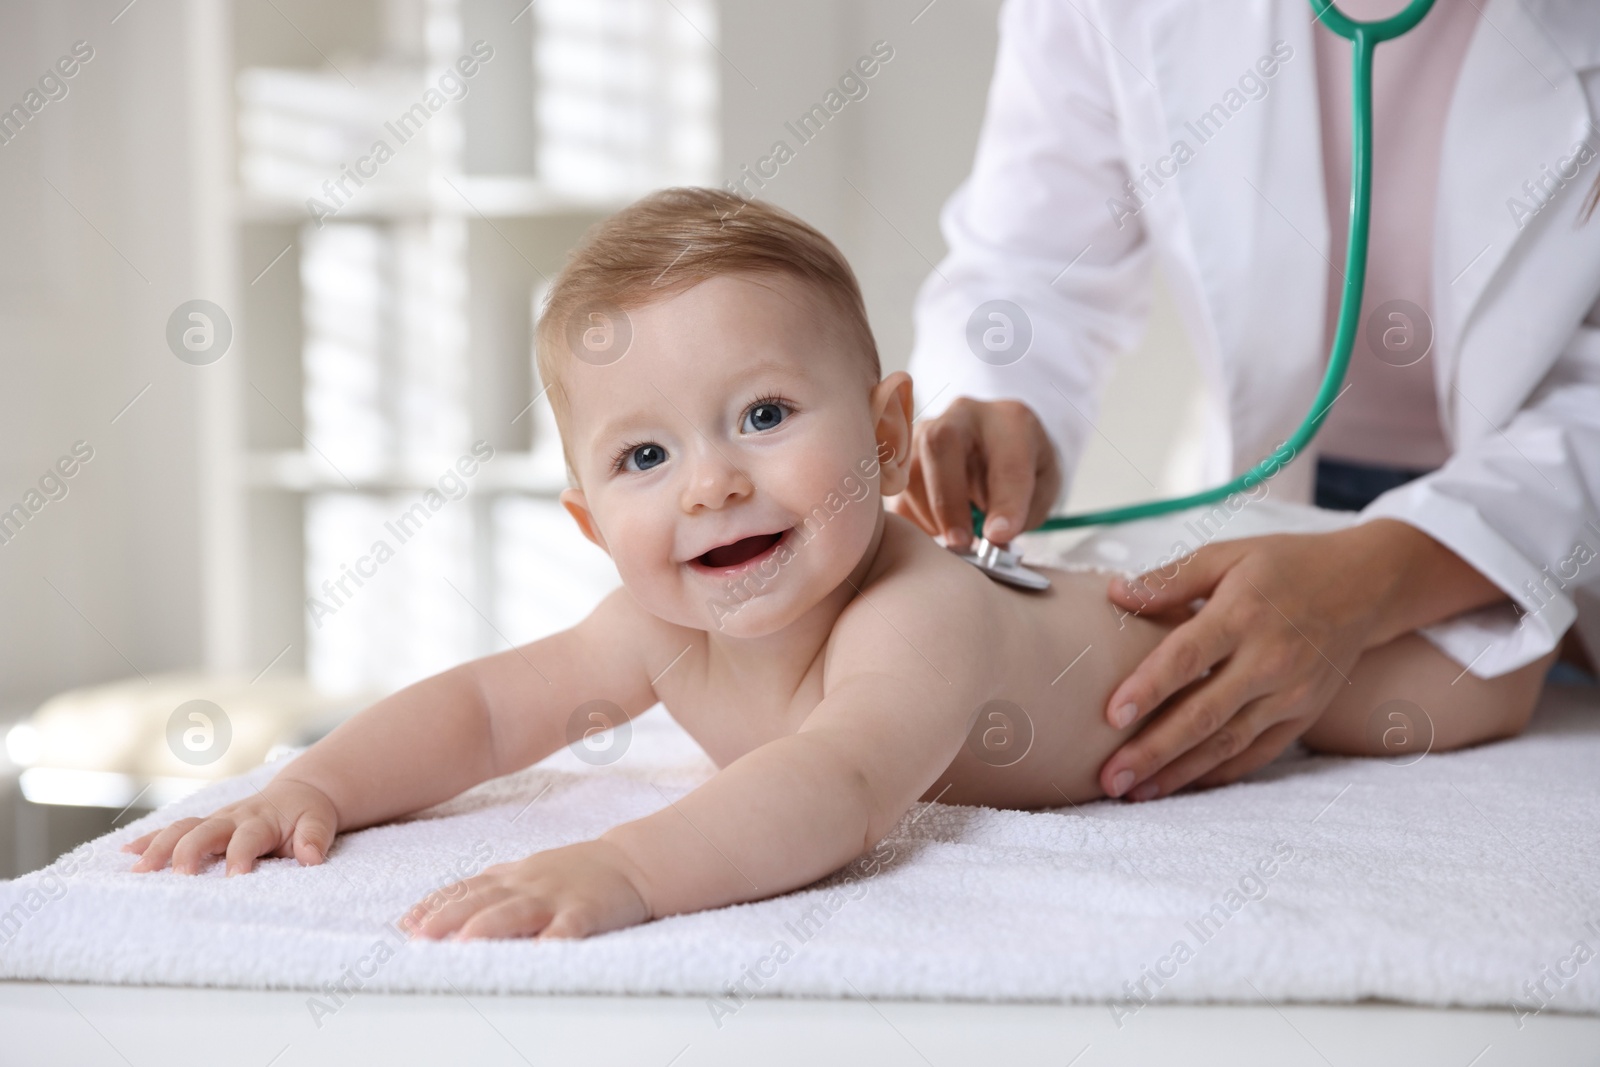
(673, 239)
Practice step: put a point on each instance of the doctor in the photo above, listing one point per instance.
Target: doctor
(1214, 137)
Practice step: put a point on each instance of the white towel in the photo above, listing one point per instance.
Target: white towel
(1463, 879)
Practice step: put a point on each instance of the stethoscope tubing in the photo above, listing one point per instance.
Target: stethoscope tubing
(1364, 38)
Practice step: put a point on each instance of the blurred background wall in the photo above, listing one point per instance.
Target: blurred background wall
(210, 150)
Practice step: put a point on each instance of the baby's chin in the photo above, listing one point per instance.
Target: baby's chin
(723, 615)
(703, 606)
(748, 620)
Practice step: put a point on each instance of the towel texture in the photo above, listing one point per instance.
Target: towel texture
(1463, 879)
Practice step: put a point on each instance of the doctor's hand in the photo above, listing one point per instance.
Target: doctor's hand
(1285, 619)
(992, 452)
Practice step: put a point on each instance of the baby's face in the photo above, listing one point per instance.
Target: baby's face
(730, 461)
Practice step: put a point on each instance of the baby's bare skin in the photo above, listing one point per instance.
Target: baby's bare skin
(841, 689)
(833, 695)
(1054, 656)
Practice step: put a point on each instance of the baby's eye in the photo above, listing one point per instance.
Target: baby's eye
(764, 415)
(645, 456)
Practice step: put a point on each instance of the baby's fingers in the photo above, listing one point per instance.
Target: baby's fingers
(311, 838)
(139, 844)
(208, 839)
(254, 837)
(519, 916)
(158, 846)
(441, 914)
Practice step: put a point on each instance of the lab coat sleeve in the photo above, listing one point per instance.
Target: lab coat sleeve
(1032, 224)
(1519, 503)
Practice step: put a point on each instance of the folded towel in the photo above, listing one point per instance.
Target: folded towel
(1461, 879)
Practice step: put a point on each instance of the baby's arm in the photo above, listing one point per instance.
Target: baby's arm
(802, 806)
(422, 745)
(777, 818)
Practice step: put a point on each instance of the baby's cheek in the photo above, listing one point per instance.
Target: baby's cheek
(637, 549)
(826, 551)
(649, 584)
(666, 590)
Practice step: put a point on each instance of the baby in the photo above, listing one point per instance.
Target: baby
(729, 439)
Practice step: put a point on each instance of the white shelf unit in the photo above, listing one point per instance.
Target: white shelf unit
(373, 350)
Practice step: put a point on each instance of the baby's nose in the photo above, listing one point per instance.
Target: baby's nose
(714, 479)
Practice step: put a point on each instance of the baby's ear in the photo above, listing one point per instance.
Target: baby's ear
(577, 506)
(892, 412)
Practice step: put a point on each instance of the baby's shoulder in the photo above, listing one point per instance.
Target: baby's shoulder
(649, 642)
(922, 610)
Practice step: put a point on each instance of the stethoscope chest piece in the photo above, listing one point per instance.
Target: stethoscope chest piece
(1004, 566)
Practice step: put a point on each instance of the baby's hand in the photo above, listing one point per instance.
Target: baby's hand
(573, 891)
(286, 818)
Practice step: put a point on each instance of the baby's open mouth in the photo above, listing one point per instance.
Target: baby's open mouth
(741, 551)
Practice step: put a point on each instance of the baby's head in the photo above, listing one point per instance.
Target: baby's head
(716, 385)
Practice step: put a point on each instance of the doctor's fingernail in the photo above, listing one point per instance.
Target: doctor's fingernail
(1146, 791)
(1121, 782)
(1123, 715)
(998, 529)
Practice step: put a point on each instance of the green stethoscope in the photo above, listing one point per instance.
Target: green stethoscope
(1006, 566)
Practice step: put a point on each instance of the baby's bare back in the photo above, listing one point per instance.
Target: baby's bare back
(1053, 661)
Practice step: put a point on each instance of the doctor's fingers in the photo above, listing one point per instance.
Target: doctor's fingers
(947, 459)
(1021, 476)
(1262, 751)
(1205, 716)
(911, 503)
(1254, 738)
(1183, 656)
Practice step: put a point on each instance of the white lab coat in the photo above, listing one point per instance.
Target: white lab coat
(1088, 93)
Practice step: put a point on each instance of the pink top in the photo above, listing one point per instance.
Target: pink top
(1389, 413)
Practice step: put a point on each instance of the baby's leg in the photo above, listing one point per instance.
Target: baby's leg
(1406, 697)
